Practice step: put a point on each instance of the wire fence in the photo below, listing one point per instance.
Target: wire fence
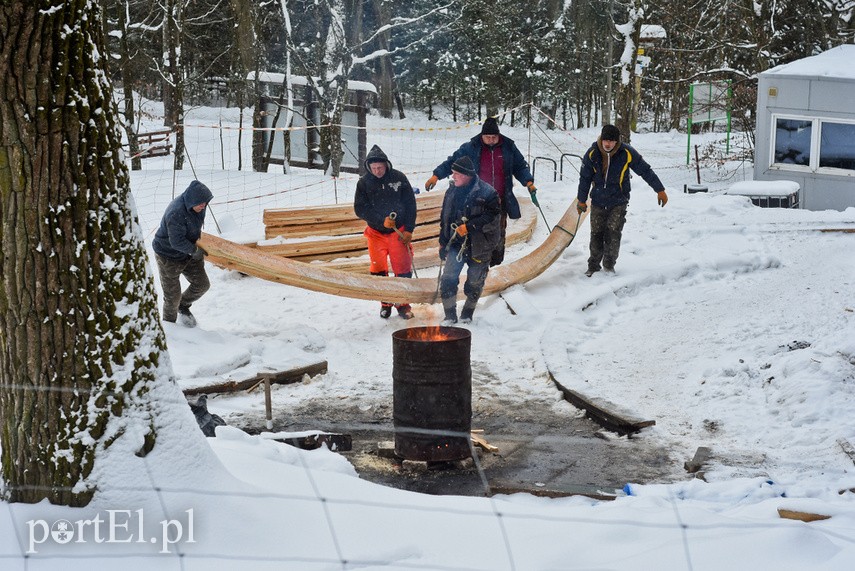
(214, 152)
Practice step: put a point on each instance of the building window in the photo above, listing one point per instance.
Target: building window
(837, 145)
(793, 141)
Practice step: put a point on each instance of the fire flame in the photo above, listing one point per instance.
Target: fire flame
(429, 333)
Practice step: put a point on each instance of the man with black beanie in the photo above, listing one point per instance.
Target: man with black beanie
(496, 159)
(604, 174)
(468, 233)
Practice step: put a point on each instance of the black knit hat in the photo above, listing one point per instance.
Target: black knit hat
(491, 127)
(610, 133)
(464, 165)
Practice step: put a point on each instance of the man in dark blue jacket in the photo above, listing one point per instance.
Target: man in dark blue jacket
(469, 232)
(176, 252)
(605, 174)
(496, 159)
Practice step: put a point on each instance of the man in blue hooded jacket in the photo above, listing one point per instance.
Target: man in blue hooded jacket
(177, 254)
(605, 174)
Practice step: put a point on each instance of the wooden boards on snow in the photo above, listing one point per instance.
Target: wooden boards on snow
(316, 277)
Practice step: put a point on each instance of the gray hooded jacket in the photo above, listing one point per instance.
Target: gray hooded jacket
(180, 226)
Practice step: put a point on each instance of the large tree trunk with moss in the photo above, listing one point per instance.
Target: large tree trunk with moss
(80, 339)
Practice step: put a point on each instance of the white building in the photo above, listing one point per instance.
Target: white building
(806, 128)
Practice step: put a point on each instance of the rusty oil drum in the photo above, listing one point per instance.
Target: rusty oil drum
(432, 393)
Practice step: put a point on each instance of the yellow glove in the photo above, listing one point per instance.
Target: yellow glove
(461, 230)
(662, 198)
(582, 207)
(406, 237)
(389, 223)
(431, 182)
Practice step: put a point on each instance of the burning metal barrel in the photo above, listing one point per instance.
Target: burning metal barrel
(432, 393)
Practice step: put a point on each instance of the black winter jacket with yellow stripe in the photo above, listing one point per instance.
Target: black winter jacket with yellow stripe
(608, 181)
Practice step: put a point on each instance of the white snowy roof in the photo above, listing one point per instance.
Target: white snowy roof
(834, 63)
(652, 32)
(764, 188)
(270, 77)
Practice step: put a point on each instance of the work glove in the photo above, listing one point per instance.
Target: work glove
(582, 207)
(198, 254)
(662, 198)
(442, 253)
(461, 230)
(431, 182)
(532, 190)
(389, 223)
(406, 237)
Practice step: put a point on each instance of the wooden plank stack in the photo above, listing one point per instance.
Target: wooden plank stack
(333, 234)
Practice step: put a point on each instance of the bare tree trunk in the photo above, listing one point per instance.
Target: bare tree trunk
(127, 87)
(389, 95)
(250, 59)
(79, 334)
(173, 100)
(626, 89)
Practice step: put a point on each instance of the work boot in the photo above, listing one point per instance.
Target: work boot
(592, 271)
(385, 310)
(449, 304)
(186, 318)
(468, 310)
(405, 311)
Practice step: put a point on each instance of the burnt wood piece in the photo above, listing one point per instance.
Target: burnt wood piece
(701, 456)
(847, 447)
(563, 492)
(276, 378)
(604, 413)
(335, 442)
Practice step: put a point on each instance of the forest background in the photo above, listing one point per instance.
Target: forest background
(578, 60)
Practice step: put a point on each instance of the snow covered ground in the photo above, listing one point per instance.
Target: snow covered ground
(733, 326)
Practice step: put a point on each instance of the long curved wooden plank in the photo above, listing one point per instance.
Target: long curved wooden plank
(426, 254)
(315, 277)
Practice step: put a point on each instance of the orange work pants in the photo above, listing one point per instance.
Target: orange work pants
(382, 246)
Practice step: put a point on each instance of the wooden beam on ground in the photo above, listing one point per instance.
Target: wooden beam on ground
(277, 378)
(335, 442)
(606, 414)
(481, 442)
(801, 516)
(847, 448)
(702, 454)
(562, 492)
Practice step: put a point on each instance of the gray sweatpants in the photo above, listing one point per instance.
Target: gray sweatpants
(170, 280)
